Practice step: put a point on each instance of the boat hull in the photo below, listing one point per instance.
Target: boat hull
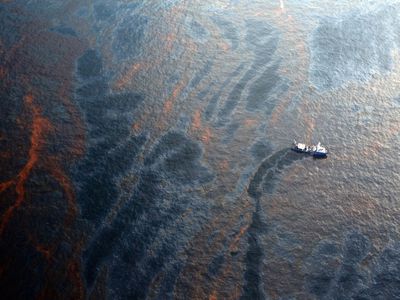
(320, 155)
(299, 150)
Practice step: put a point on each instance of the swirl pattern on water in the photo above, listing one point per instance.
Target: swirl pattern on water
(144, 149)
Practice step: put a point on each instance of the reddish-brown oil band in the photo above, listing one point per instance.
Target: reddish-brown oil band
(42, 131)
(40, 127)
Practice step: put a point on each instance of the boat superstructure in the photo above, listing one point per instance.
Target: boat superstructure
(317, 151)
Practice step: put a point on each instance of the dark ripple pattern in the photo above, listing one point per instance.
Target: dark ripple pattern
(144, 150)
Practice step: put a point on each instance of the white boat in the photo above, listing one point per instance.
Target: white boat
(317, 151)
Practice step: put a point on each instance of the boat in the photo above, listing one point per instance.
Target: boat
(317, 151)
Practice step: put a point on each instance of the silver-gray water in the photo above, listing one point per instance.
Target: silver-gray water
(144, 149)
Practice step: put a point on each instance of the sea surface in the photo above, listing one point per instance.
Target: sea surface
(145, 149)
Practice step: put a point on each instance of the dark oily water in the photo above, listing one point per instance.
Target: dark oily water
(144, 149)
